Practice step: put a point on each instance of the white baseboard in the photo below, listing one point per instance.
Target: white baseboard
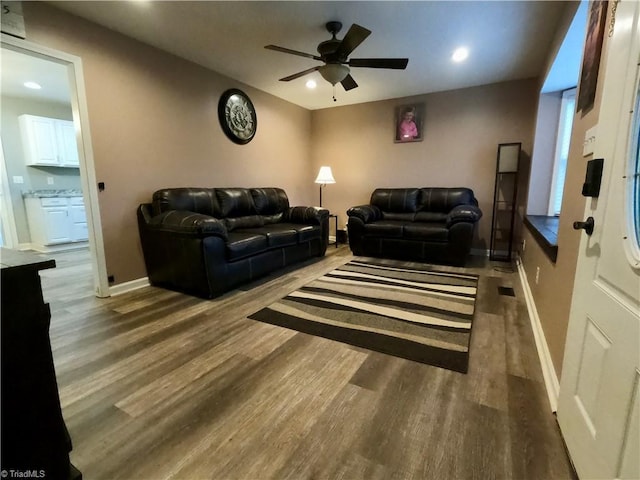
(548, 372)
(128, 286)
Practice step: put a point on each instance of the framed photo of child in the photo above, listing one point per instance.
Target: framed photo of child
(409, 123)
(591, 57)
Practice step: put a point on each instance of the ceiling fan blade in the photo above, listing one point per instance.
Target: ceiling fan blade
(354, 37)
(299, 74)
(395, 63)
(292, 52)
(349, 83)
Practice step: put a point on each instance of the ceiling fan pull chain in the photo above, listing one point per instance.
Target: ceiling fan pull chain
(334, 93)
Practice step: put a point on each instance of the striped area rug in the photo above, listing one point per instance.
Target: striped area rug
(389, 306)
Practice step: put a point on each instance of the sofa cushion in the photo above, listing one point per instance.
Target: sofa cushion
(444, 199)
(384, 228)
(278, 235)
(431, 217)
(307, 233)
(401, 217)
(187, 223)
(198, 200)
(428, 232)
(398, 200)
(244, 244)
(270, 201)
(236, 202)
(250, 221)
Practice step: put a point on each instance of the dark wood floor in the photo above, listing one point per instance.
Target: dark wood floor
(155, 384)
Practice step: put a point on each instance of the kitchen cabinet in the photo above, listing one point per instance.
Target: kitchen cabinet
(67, 145)
(78, 218)
(48, 142)
(56, 220)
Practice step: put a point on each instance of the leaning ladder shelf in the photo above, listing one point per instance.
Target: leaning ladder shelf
(504, 201)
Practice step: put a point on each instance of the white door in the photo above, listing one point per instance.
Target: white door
(8, 224)
(599, 400)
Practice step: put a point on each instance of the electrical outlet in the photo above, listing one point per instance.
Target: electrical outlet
(18, 179)
(49, 180)
(537, 274)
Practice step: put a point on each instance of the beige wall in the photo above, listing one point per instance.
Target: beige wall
(461, 135)
(552, 294)
(154, 124)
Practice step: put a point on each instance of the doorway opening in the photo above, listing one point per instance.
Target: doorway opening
(59, 112)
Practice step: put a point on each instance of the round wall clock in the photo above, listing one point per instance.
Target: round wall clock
(237, 116)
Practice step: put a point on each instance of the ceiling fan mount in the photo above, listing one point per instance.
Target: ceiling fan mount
(335, 52)
(329, 47)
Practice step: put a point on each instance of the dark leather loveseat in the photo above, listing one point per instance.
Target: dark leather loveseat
(424, 224)
(206, 241)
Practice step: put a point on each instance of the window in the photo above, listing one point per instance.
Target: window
(567, 111)
(635, 190)
(632, 242)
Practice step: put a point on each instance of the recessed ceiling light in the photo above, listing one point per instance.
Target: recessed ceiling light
(32, 85)
(460, 54)
(311, 84)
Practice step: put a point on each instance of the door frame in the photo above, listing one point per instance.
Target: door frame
(9, 231)
(88, 180)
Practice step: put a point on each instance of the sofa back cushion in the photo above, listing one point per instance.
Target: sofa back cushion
(444, 199)
(270, 203)
(197, 200)
(235, 202)
(395, 200)
(238, 209)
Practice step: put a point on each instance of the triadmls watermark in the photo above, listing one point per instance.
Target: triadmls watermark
(22, 473)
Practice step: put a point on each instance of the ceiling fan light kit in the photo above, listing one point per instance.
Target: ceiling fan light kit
(333, 72)
(334, 53)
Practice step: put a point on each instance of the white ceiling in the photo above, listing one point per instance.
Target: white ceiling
(507, 40)
(18, 68)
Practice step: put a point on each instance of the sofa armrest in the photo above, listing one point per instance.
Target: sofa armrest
(187, 223)
(366, 213)
(307, 215)
(464, 213)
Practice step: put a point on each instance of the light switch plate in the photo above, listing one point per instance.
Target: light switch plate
(18, 179)
(589, 141)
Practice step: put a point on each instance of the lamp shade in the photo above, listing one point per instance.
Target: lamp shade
(333, 72)
(325, 176)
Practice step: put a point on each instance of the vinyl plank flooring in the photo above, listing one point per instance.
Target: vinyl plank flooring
(486, 444)
(155, 384)
(536, 446)
(487, 382)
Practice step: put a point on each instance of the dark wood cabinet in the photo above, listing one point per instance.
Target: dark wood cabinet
(34, 436)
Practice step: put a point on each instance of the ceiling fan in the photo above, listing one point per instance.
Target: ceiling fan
(334, 54)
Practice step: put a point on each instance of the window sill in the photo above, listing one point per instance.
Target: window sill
(545, 230)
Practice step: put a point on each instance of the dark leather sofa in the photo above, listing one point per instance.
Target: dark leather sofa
(206, 241)
(424, 224)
